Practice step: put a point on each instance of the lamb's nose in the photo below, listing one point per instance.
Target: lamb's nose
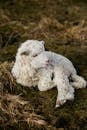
(47, 61)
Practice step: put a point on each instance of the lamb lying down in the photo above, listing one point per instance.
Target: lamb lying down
(34, 66)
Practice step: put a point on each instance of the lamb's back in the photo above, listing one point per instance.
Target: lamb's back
(60, 60)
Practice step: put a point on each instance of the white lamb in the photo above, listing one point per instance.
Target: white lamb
(34, 66)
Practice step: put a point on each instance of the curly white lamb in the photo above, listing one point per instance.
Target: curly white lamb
(34, 66)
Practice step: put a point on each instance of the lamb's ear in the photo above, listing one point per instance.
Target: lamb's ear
(25, 53)
(43, 42)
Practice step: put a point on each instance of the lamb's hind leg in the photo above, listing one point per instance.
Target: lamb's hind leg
(65, 90)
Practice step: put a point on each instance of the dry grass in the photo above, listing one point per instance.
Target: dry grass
(15, 109)
(62, 24)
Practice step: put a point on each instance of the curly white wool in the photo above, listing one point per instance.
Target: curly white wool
(22, 69)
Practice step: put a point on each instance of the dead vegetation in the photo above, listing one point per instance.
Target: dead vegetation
(62, 24)
(13, 110)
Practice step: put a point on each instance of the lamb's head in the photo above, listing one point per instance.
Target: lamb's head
(35, 61)
(31, 47)
(25, 54)
(40, 61)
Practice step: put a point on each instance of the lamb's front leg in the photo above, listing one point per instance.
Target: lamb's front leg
(63, 96)
(65, 90)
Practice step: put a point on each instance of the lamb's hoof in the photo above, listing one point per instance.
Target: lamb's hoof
(70, 96)
(60, 102)
(57, 106)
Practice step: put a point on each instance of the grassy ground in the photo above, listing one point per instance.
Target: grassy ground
(62, 24)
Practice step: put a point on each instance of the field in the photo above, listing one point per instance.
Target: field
(62, 24)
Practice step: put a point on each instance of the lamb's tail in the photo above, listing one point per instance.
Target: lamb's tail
(78, 81)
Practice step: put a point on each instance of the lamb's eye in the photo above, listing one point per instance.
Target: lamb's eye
(25, 53)
(34, 55)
